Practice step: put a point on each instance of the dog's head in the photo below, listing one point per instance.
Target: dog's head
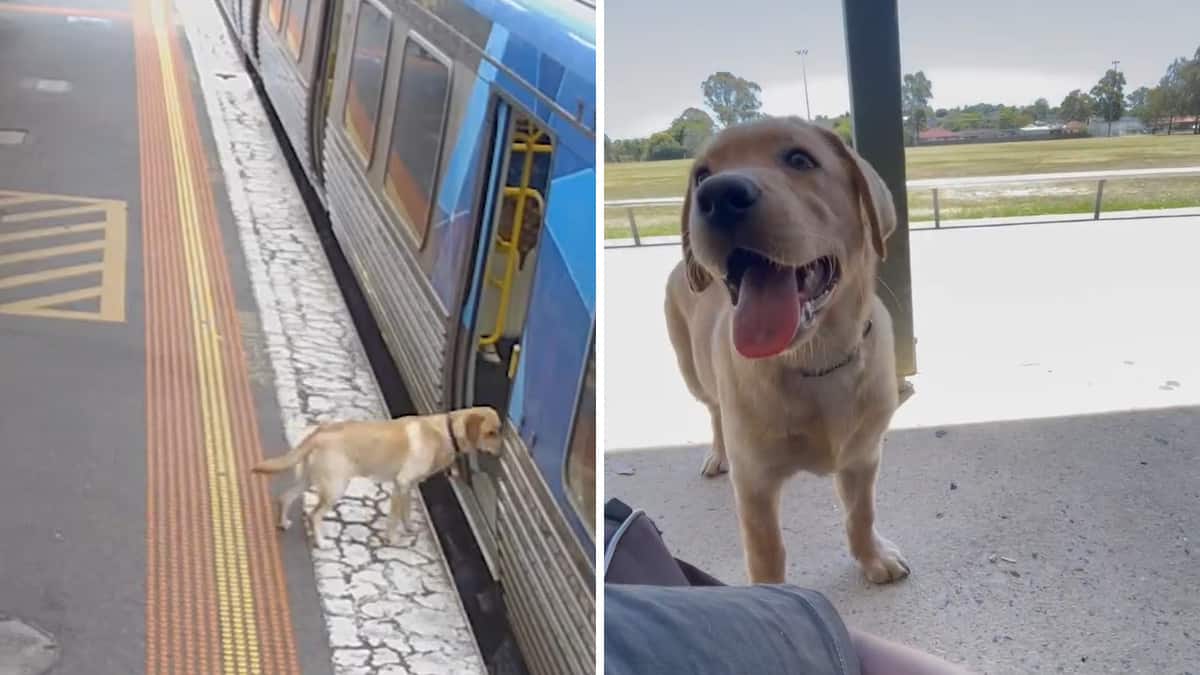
(787, 216)
(482, 429)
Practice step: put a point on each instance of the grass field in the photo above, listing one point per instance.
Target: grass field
(667, 179)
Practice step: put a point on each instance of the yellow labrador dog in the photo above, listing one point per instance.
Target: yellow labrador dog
(406, 451)
(778, 331)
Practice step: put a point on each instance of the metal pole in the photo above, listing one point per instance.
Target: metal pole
(804, 75)
(873, 57)
(937, 213)
(1099, 197)
(637, 239)
(1108, 113)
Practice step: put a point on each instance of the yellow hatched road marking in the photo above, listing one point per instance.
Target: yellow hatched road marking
(44, 306)
(108, 216)
(27, 216)
(53, 231)
(235, 605)
(40, 253)
(40, 276)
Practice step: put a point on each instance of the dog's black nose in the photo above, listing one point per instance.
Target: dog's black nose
(724, 200)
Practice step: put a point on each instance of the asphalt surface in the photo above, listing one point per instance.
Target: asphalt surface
(72, 392)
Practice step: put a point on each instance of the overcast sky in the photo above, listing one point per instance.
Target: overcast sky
(657, 52)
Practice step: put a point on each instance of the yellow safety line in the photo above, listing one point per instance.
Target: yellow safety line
(26, 216)
(40, 253)
(49, 275)
(112, 296)
(53, 231)
(239, 636)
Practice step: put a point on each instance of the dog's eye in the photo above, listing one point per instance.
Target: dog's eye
(799, 159)
(701, 174)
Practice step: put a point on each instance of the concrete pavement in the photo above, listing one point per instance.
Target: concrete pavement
(1055, 425)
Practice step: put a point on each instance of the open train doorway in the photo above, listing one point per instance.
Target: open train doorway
(500, 294)
(507, 260)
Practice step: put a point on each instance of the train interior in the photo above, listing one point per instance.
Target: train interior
(507, 279)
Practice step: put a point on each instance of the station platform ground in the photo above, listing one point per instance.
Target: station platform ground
(1043, 481)
(168, 319)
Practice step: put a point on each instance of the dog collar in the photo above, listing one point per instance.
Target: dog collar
(453, 438)
(849, 357)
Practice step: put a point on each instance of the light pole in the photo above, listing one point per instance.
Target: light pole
(1108, 113)
(804, 74)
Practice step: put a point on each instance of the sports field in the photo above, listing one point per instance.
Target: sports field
(667, 179)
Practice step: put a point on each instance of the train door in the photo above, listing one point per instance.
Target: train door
(322, 95)
(499, 294)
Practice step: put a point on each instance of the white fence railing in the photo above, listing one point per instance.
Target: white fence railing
(935, 184)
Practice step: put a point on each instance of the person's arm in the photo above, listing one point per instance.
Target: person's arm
(881, 657)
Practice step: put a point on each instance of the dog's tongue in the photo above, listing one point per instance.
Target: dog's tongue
(767, 313)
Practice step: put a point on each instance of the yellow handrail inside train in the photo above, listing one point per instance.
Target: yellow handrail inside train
(521, 143)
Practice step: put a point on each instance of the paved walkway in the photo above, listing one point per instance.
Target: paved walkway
(1044, 481)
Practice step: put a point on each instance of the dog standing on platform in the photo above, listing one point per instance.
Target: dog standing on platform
(790, 349)
(405, 451)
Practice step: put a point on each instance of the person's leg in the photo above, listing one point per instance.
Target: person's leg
(877, 656)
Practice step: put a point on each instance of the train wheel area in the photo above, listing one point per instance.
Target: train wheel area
(168, 318)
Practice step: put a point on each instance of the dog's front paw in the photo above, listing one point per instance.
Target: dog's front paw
(714, 465)
(320, 542)
(886, 565)
(284, 525)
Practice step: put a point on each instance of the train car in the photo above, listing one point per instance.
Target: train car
(453, 144)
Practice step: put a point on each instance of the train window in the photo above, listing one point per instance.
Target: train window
(581, 454)
(275, 12)
(411, 173)
(369, 60)
(297, 17)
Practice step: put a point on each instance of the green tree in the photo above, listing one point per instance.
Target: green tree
(1041, 110)
(1012, 118)
(1138, 102)
(629, 150)
(844, 127)
(1190, 90)
(1109, 96)
(1076, 107)
(692, 129)
(663, 145)
(1170, 99)
(915, 93)
(732, 98)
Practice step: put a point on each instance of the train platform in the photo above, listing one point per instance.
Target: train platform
(1042, 480)
(168, 318)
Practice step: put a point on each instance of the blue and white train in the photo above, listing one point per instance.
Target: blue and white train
(452, 143)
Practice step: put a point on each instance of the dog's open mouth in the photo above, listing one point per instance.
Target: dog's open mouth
(773, 302)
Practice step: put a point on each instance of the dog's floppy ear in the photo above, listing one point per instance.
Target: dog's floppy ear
(874, 197)
(473, 424)
(698, 278)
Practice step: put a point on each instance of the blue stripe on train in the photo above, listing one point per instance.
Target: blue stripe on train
(458, 189)
(570, 219)
(571, 43)
(553, 358)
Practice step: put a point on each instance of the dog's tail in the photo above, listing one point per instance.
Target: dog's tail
(292, 458)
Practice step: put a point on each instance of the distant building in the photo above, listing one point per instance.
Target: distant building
(1039, 130)
(1074, 128)
(937, 135)
(1181, 124)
